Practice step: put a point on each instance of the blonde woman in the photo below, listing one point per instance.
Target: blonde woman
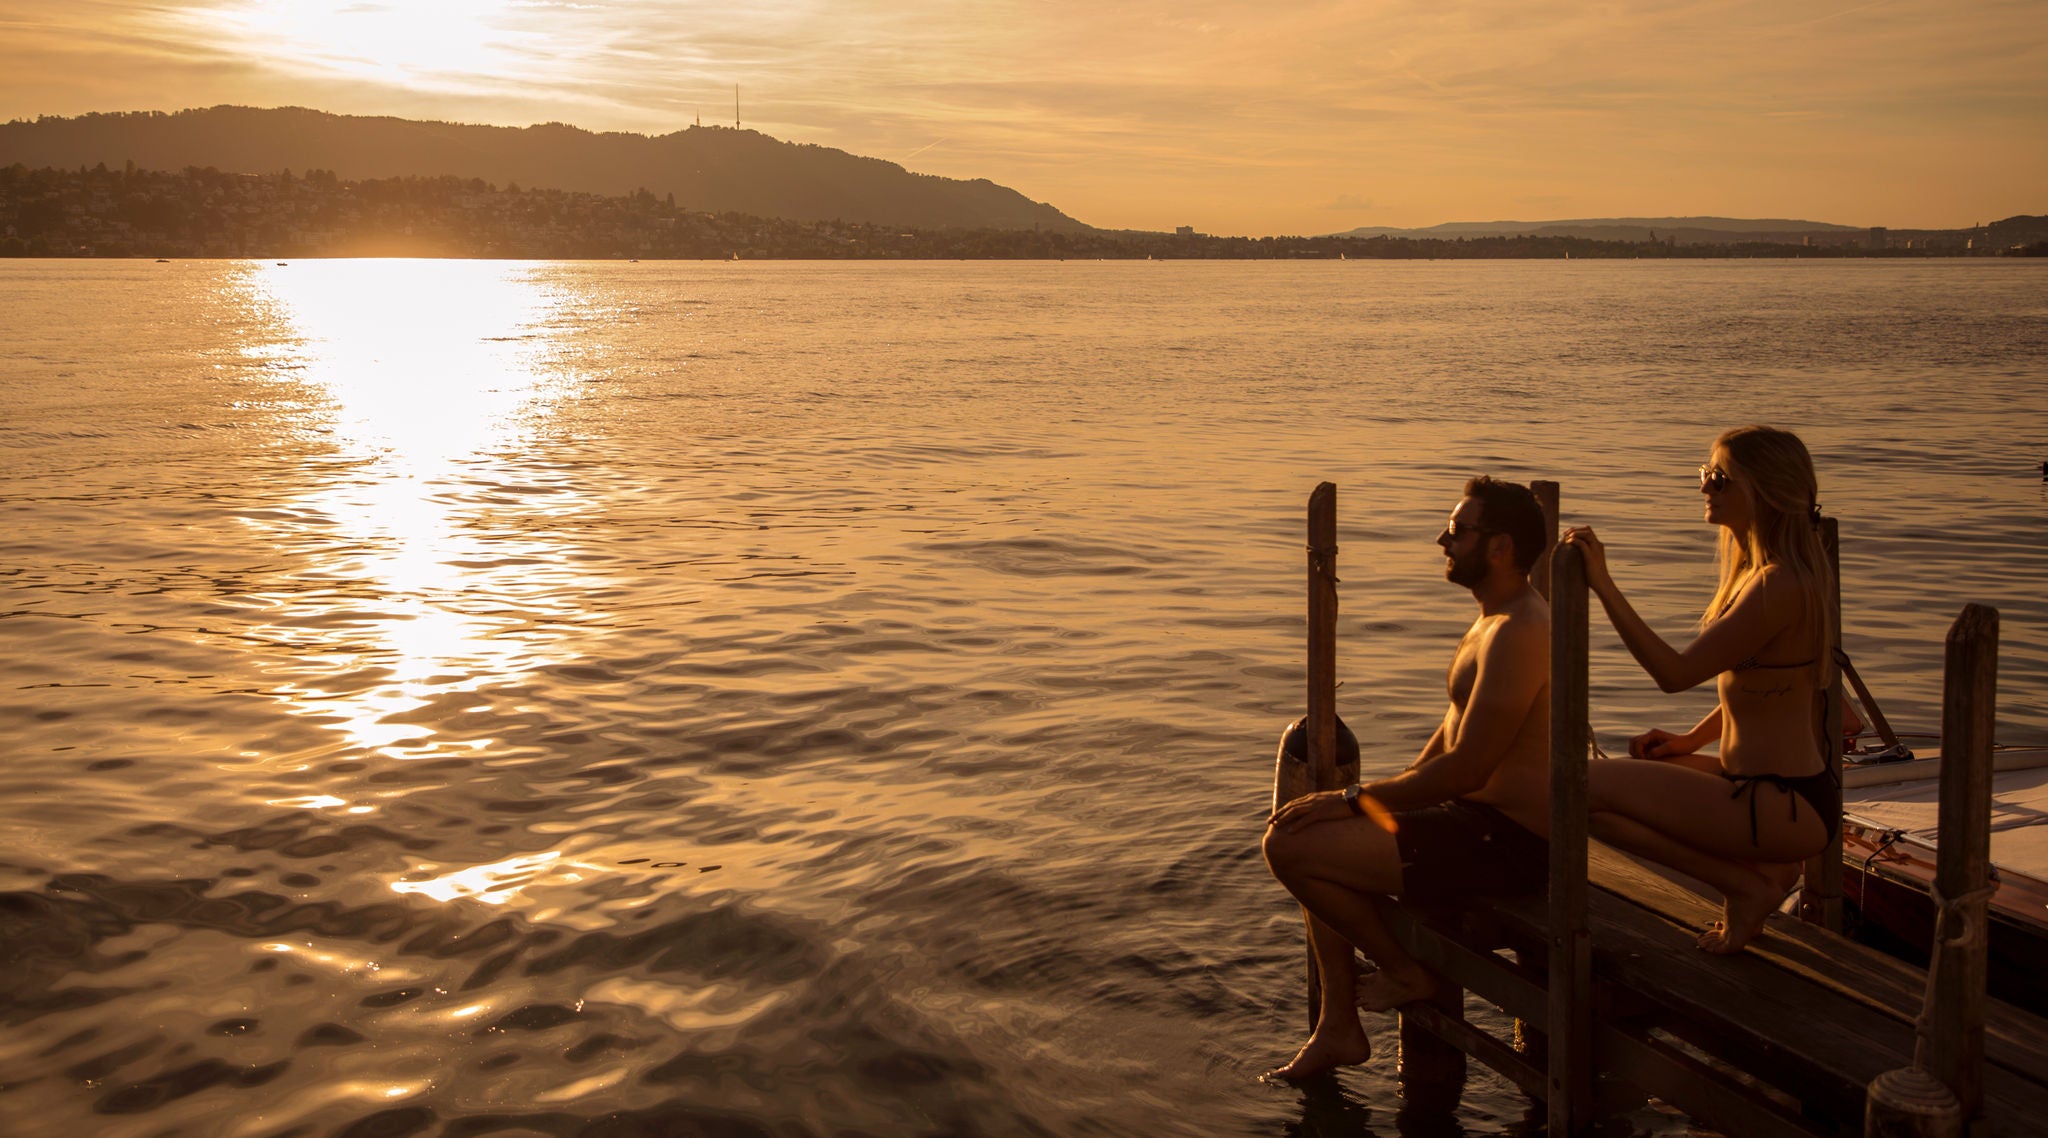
(1741, 821)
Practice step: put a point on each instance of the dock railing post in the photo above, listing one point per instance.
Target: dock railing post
(1962, 875)
(1942, 1093)
(1528, 1037)
(1322, 634)
(1820, 891)
(1570, 1035)
(1546, 497)
(1293, 778)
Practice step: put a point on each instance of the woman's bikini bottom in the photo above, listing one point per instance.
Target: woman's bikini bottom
(1820, 790)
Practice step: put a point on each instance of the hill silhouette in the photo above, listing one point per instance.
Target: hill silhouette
(1685, 230)
(707, 168)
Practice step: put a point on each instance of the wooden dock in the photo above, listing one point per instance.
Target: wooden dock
(1614, 1003)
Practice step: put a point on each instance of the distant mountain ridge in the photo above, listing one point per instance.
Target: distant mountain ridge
(714, 169)
(1684, 230)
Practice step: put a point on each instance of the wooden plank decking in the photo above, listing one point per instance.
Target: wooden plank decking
(1797, 1027)
(1782, 1040)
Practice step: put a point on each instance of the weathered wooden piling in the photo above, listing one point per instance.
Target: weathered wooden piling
(1546, 497)
(1322, 634)
(1820, 890)
(1433, 1068)
(1528, 1038)
(1942, 1094)
(1322, 769)
(1570, 1003)
(1956, 975)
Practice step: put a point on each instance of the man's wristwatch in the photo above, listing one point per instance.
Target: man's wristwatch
(1351, 800)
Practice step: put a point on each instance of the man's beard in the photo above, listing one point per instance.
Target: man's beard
(1468, 570)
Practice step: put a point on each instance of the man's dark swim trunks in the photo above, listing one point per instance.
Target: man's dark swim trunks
(1463, 848)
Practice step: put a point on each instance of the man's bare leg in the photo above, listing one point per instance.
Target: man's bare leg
(1335, 869)
(1389, 987)
(1339, 1040)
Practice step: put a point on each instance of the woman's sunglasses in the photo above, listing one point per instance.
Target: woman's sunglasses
(1714, 479)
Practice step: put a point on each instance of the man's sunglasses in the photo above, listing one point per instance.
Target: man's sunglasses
(1454, 531)
(1714, 479)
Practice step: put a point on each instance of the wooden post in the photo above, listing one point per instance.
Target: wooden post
(1546, 497)
(1323, 768)
(1322, 634)
(1571, 949)
(1820, 892)
(1963, 859)
(1432, 1070)
(1942, 1094)
(1528, 1039)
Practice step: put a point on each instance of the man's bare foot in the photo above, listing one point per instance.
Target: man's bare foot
(1332, 1046)
(1386, 990)
(1742, 916)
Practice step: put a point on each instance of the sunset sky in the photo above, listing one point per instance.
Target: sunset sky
(1228, 115)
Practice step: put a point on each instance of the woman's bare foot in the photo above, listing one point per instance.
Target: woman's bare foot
(1742, 915)
(1335, 1044)
(1386, 989)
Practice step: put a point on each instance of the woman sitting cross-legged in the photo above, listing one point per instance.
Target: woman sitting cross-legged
(1744, 821)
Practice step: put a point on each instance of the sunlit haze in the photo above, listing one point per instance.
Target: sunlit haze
(1229, 116)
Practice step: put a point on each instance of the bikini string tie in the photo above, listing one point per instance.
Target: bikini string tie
(1746, 784)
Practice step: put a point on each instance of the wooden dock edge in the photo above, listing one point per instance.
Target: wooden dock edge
(1766, 1043)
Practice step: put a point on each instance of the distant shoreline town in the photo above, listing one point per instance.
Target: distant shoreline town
(204, 212)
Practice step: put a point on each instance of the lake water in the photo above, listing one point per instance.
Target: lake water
(743, 699)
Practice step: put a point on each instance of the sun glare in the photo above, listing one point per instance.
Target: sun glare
(414, 45)
(429, 375)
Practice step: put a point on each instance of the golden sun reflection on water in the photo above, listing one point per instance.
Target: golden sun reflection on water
(429, 376)
(426, 362)
(493, 884)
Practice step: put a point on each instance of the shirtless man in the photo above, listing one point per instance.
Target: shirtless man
(1470, 815)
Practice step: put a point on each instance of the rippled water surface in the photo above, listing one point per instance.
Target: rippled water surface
(744, 699)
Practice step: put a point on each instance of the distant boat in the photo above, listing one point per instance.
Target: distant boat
(167, 260)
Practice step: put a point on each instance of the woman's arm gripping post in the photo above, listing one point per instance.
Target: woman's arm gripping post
(1757, 616)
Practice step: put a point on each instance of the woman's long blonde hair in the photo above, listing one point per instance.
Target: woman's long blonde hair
(1778, 470)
